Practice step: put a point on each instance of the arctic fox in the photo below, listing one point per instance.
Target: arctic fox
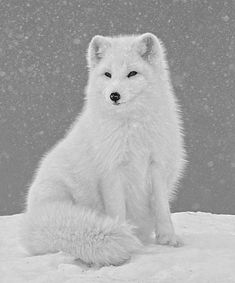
(105, 188)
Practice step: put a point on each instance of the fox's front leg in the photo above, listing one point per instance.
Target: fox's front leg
(114, 197)
(165, 234)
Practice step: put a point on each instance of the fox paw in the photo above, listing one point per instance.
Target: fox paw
(169, 239)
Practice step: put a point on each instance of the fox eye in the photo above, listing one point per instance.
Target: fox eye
(131, 74)
(107, 74)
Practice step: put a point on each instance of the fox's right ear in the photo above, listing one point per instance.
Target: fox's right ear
(96, 50)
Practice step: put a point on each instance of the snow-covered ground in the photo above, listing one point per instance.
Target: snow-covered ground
(207, 256)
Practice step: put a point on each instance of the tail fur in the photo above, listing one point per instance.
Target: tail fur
(79, 231)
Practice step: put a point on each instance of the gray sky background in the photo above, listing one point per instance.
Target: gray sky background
(43, 74)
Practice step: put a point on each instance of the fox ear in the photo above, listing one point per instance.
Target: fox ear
(148, 46)
(96, 50)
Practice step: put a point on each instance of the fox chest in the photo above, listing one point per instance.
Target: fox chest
(129, 148)
(125, 158)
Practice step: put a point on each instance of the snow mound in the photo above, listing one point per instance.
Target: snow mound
(207, 256)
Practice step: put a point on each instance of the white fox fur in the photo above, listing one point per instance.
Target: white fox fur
(104, 188)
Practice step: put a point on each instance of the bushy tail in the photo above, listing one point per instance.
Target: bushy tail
(79, 231)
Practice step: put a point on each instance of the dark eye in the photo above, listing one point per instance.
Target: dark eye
(131, 74)
(107, 74)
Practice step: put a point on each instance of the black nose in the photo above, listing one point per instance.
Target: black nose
(115, 96)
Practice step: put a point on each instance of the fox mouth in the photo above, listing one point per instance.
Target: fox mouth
(117, 103)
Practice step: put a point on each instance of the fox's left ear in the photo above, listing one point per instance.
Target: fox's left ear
(149, 47)
(96, 50)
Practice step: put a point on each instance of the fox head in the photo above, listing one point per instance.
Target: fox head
(123, 70)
